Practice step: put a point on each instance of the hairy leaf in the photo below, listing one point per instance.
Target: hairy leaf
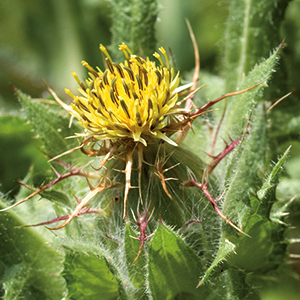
(173, 267)
(29, 266)
(134, 25)
(16, 153)
(137, 271)
(252, 31)
(264, 249)
(51, 127)
(88, 276)
(239, 108)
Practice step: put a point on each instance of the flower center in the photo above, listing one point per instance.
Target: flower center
(134, 100)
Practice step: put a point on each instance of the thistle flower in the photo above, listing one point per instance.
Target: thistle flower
(125, 108)
(134, 101)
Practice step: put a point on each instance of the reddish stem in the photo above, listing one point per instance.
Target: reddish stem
(142, 223)
(85, 210)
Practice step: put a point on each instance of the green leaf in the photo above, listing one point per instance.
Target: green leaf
(288, 188)
(137, 271)
(15, 281)
(133, 24)
(291, 120)
(247, 161)
(252, 30)
(58, 197)
(237, 287)
(243, 170)
(264, 249)
(219, 263)
(239, 107)
(201, 133)
(255, 252)
(18, 151)
(173, 267)
(268, 188)
(88, 276)
(51, 127)
(91, 270)
(29, 267)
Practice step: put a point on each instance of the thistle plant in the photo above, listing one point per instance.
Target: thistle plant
(156, 192)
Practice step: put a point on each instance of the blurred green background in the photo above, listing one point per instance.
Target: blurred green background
(47, 40)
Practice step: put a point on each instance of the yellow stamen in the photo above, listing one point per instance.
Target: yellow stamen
(163, 51)
(130, 101)
(103, 49)
(125, 50)
(156, 55)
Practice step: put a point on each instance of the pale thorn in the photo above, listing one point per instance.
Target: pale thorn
(151, 215)
(163, 183)
(189, 95)
(231, 244)
(127, 171)
(106, 158)
(171, 178)
(89, 174)
(278, 101)
(140, 166)
(189, 99)
(166, 170)
(81, 205)
(24, 200)
(202, 109)
(232, 225)
(203, 112)
(221, 196)
(72, 136)
(56, 172)
(133, 215)
(61, 103)
(134, 237)
(183, 87)
(67, 152)
(71, 121)
(197, 64)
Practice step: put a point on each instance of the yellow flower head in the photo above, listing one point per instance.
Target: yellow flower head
(130, 101)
